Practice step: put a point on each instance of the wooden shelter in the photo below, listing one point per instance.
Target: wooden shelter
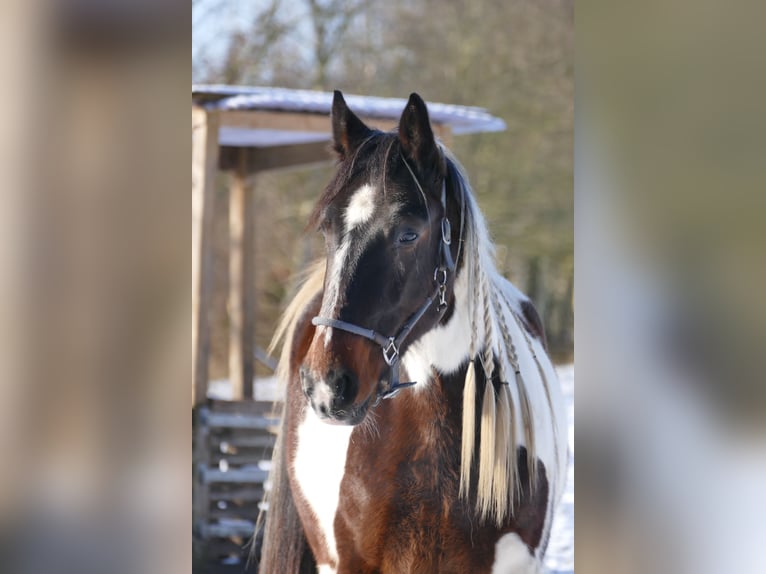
(246, 130)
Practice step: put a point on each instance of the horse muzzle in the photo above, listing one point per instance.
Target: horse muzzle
(332, 396)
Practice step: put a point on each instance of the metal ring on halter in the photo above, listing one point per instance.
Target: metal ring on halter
(446, 231)
(390, 359)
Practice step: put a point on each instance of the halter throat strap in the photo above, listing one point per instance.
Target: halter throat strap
(390, 345)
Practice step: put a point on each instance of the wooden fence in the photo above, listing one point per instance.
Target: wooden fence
(232, 446)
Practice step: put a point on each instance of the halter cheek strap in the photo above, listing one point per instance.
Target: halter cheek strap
(390, 345)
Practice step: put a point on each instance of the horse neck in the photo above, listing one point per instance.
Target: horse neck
(446, 347)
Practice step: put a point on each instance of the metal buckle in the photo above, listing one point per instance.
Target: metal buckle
(443, 281)
(390, 348)
(446, 231)
(442, 296)
(442, 285)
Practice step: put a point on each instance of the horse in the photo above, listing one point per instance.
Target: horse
(423, 427)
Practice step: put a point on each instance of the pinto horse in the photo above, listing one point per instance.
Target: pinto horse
(423, 426)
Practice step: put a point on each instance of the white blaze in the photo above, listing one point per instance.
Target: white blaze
(360, 209)
(332, 294)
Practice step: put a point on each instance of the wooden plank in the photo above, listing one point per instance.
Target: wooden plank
(217, 547)
(204, 162)
(241, 273)
(297, 121)
(276, 157)
(279, 157)
(241, 458)
(237, 475)
(444, 133)
(243, 529)
(246, 494)
(265, 441)
(265, 359)
(241, 407)
(226, 449)
(213, 568)
(303, 121)
(235, 420)
(293, 121)
(248, 510)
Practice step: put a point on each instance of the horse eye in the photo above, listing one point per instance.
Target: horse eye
(408, 237)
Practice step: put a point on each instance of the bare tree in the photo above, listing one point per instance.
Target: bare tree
(330, 21)
(249, 54)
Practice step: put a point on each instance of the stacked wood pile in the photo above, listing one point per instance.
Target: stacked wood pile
(232, 446)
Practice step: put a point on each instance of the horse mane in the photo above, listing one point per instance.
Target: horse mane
(504, 398)
(284, 547)
(311, 283)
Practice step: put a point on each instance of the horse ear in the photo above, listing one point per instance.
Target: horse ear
(348, 131)
(417, 137)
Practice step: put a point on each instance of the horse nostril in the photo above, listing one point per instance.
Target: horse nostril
(343, 386)
(339, 384)
(307, 381)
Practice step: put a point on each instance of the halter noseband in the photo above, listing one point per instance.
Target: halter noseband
(390, 345)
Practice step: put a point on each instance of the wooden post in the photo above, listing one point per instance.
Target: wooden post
(204, 163)
(241, 273)
(444, 133)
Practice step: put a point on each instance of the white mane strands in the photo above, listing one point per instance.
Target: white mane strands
(468, 438)
(505, 468)
(524, 404)
(469, 428)
(484, 498)
(529, 435)
(540, 371)
(312, 284)
(498, 481)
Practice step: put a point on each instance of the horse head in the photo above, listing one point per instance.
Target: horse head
(389, 269)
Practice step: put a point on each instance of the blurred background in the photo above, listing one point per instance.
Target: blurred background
(669, 208)
(670, 188)
(513, 58)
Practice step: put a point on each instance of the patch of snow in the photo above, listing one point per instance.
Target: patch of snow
(560, 556)
(266, 389)
(461, 119)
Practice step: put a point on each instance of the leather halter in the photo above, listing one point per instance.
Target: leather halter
(390, 345)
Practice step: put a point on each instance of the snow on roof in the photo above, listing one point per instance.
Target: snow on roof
(460, 119)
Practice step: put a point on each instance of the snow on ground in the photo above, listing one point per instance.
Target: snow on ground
(266, 389)
(560, 556)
